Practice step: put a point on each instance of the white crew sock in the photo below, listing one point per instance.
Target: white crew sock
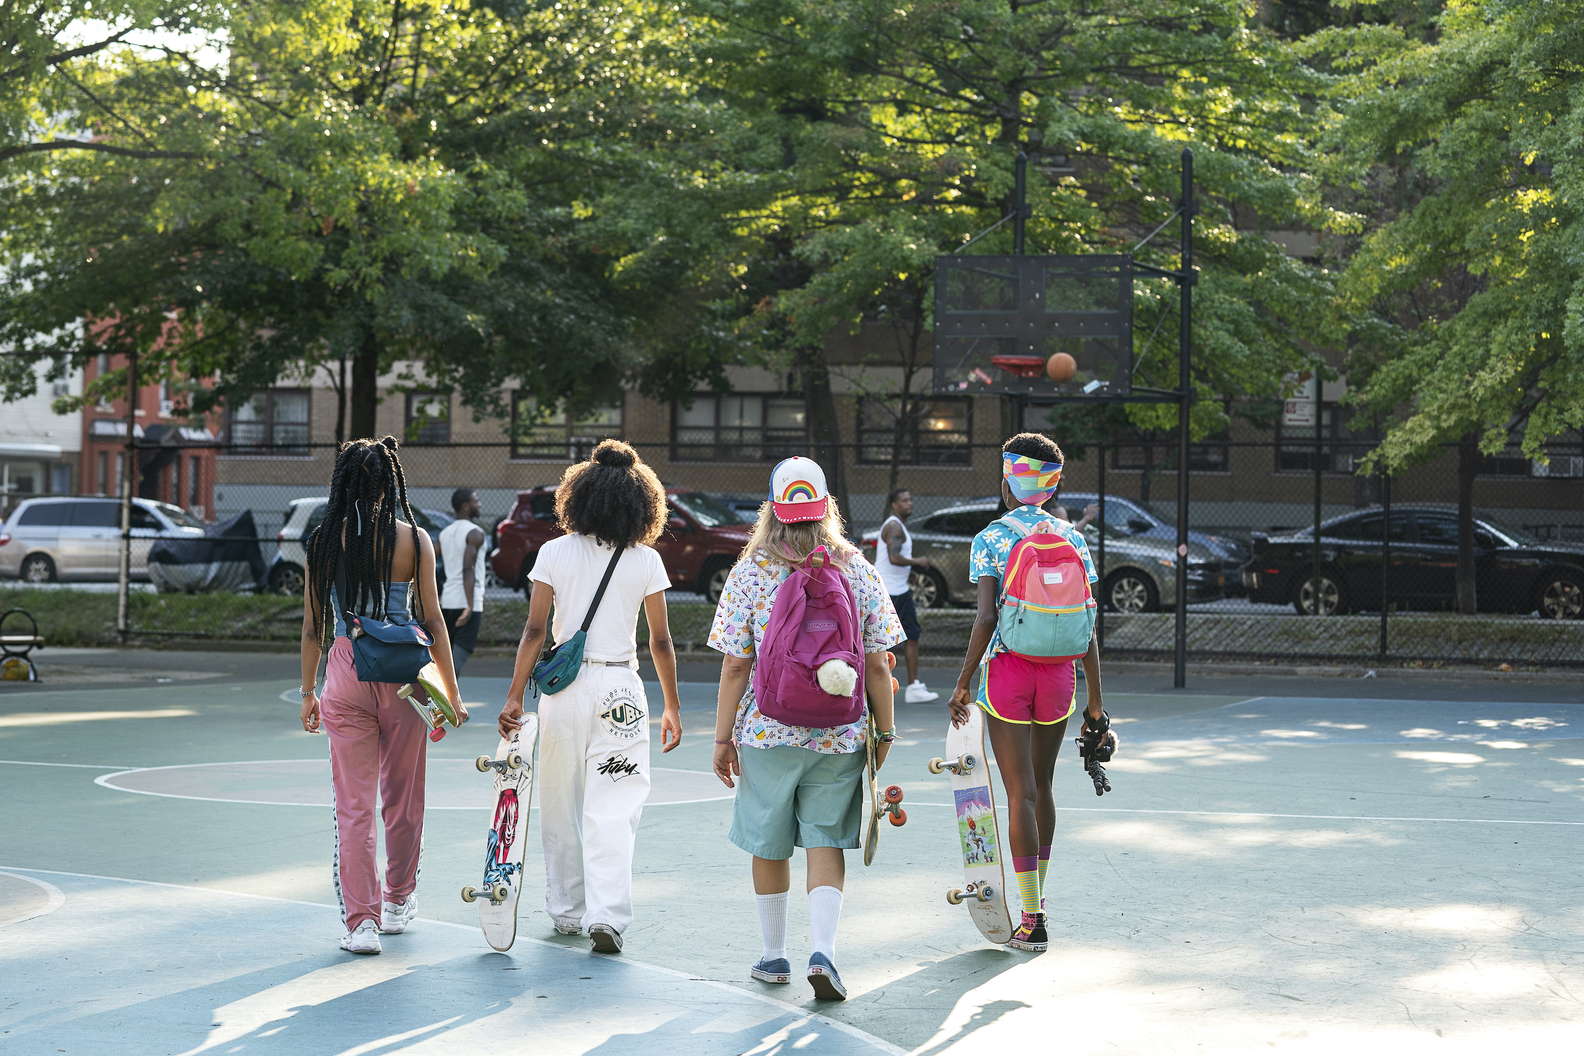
(772, 924)
(824, 914)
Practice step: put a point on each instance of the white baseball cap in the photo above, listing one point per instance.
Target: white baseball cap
(798, 491)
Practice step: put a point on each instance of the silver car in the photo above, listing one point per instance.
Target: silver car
(46, 540)
(304, 515)
(1140, 573)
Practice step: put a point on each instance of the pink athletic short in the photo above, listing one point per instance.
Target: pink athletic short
(1015, 689)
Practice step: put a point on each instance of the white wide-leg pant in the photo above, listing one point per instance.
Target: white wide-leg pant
(593, 780)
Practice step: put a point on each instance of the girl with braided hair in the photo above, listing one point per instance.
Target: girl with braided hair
(376, 739)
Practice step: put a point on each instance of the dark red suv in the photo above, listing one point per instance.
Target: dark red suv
(701, 541)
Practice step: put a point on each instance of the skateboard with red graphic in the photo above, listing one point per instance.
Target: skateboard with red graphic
(497, 895)
(984, 875)
(889, 805)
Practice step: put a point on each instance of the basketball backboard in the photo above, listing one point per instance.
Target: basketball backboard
(998, 320)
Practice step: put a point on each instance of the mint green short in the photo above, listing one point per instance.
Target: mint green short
(794, 797)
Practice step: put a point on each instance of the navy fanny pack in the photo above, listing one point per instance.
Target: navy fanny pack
(557, 671)
(383, 650)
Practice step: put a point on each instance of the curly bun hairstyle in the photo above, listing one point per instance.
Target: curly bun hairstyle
(614, 497)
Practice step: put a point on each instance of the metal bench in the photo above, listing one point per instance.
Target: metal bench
(16, 665)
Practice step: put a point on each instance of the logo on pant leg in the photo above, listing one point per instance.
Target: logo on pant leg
(622, 714)
(617, 767)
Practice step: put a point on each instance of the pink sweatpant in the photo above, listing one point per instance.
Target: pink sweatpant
(376, 738)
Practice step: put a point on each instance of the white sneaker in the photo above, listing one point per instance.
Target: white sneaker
(918, 693)
(394, 916)
(563, 927)
(362, 939)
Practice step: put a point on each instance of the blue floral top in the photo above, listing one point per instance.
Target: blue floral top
(740, 622)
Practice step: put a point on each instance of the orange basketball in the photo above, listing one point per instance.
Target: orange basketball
(1061, 367)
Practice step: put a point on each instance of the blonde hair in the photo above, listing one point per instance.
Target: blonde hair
(790, 544)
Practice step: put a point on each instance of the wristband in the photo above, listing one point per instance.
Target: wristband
(886, 736)
(719, 741)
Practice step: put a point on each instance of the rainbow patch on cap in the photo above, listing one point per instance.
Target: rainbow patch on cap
(798, 491)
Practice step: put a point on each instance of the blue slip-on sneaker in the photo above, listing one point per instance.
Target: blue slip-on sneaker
(823, 978)
(776, 971)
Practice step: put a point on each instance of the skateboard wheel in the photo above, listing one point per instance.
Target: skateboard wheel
(500, 893)
(937, 765)
(469, 893)
(483, 764)
(436, 735)
(966, 762)
(955, 896)
(899, 816)
(893, 794)
(985, 893)
(895, 685)
(405, 692)
(890, 660)
(516, 761)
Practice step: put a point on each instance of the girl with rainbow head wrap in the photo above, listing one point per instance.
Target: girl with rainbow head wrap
(1033, 480)
(1026, 701)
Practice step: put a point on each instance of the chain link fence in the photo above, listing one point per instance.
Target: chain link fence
(1380, 580)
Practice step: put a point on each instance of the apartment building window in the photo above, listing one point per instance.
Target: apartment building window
(103, 478)
(428, 418)
(1207, 456)
(1295, 447)
(274, 421)
(936, 432)
(554, 434)
(738, 428)
(175, 481)
(193, 494)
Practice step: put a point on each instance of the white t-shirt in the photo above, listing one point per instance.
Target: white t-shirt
(573, 566)
(895, 577)
(453, 546)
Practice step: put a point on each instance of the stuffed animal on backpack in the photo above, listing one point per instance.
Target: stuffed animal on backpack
(810, 669)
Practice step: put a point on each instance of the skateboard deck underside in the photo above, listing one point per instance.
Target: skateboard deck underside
(978, 829)
(507, 841)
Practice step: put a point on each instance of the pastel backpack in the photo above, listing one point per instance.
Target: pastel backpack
(1047, 612)
(810, 665)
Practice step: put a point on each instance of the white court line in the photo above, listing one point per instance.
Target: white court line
(80, 766)
(103, 780)
(834, 1024)
(56, 897)
(1267, 814)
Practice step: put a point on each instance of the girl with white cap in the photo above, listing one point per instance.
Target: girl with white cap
(799, 785)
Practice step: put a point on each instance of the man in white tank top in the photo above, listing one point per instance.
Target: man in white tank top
(894, 566)
(462, 597)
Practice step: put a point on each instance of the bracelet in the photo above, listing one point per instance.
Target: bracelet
(886, 736)
(306, 692)
(719, 741)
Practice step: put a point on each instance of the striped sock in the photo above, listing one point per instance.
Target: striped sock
(1027, 870)
(1044, 863)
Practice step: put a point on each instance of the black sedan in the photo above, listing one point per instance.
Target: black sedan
(1514, 571)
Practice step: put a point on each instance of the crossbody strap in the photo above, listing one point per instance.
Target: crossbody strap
(610, 570)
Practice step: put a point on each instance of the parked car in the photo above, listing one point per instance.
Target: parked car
(50, 539)
(1514, 571)
(1140, 571)
(746, 507)
(1134, 519)
(304, 515)
(699, 545)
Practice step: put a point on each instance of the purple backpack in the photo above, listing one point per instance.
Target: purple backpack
(814, 620)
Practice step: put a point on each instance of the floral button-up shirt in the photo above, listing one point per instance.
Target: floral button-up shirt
(739, 627)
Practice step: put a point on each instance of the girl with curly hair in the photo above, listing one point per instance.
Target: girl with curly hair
(594, 734)
(369, 540)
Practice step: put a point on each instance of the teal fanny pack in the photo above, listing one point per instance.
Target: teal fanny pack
(557, 670)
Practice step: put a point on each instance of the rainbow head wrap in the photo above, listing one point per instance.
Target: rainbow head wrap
(1032, 481)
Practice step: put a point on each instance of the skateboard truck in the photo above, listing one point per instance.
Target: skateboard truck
(963, 764)
(514, 761)
(496, 894)
(958, 895)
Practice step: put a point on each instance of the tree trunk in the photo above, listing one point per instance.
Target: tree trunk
(906, 418)
(1468, 463)
(823, 424)
(365, 387)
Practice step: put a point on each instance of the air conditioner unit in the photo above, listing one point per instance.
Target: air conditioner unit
(167, 408)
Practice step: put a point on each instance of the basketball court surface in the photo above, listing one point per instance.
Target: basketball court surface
(1291, 865)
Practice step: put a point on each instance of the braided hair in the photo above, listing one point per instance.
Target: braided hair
(368, 495)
